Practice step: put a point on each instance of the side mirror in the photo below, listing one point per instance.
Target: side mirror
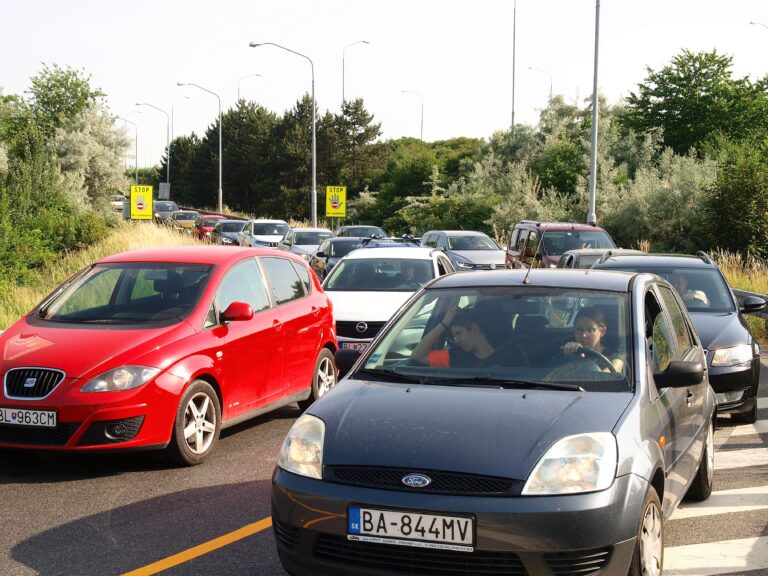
(679, 374)
(320, 255)
(345, 359)
(752, 304)
(237, 311)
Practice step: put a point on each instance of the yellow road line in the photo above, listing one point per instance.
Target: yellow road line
(201, 549)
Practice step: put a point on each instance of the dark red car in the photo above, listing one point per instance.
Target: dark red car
(205, 225)
(163, 348)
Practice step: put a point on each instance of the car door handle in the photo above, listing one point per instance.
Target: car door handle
(689, 398)
(277, 325)
(315, 311)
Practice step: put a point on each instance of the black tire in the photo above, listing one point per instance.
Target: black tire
(701, 487)
(323, 379)
(749, 417)
(648, 557)
(199, 412)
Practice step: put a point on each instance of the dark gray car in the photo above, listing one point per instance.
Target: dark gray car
(504, 423)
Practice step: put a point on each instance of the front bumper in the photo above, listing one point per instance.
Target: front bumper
(745, 377)
(524, 535)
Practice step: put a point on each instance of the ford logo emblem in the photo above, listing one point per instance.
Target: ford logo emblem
(416, 480)
(361, 327)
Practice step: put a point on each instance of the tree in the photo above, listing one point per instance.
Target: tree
(693, 98)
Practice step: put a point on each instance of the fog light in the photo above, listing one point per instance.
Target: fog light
(116, 431)
(730, 397)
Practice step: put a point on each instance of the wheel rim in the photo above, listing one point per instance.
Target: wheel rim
(199, 423)
(651, 545)
(326, 377)
(710, 455)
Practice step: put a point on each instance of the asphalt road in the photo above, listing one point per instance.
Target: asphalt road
(66, 514)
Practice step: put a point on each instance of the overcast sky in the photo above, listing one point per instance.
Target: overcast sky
(456, 55)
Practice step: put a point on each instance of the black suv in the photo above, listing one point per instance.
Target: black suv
(540, 244)
(733, 355)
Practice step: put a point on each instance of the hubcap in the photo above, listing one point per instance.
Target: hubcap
(199, 423)
(326, 377)
(651, 545)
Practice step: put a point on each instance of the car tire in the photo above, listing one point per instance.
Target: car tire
(749, 417)
(648, 558)
(701, 487)
(323, 379)
(197, 425)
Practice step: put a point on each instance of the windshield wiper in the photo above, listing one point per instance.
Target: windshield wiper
(506, 383)
(390, 375)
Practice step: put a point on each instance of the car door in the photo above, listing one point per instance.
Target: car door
(301, 317)
(516, 247)
(253, 347)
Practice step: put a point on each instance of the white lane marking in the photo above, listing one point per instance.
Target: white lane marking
(713, 558)
(724, 501)
(741, 458)
(762, 403)
(759, 427)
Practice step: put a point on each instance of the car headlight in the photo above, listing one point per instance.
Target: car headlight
(119, 379)
(580, 463)
(732, 356)
(225, 240)
(462, 264)
(302, 450)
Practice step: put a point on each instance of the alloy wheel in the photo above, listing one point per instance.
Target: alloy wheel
(199, 423)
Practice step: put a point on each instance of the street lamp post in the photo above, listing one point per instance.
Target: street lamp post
(240, 80)
(219, 99)
(136, 145)
(421, 132)
(314, 145)
(167, 138)
(343, 66)
(514, 40)
(592, 217)
(548, 74)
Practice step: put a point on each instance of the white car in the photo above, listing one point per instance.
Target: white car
(304, 241)
(117, 201)
(263, 232)
(369, 285)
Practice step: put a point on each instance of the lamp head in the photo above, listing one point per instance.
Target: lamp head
(181, 84)
(255, 44)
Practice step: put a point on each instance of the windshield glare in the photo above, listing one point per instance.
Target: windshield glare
(511, 333)
(130, 293)
(471, 243)
(379, 275)
(557, 242)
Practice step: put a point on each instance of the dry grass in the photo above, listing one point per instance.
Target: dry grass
(18, 300)
(746, 274)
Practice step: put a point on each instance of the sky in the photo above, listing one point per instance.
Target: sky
(449, 61)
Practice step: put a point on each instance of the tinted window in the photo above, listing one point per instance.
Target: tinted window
(521, 241)
(310, 238)
(303, 273)
(286, 284)
(559, 241)
(244, 283)
(230, 226)
(471, 243)
(379, 275)
(262, 229)
(679, 326)
(339, 249)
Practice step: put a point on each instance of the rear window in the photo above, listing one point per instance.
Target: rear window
(559, 241)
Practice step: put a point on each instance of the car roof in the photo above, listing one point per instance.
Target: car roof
(559, 225)
(311, 230)
(613, 251)
(652, 260)
(268, 221)
(612, 281)
(458, 232)
(393, 252)
(193, 255)
(213, 216)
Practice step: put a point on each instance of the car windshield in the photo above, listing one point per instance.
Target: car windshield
(471, 243)
(129, 293)
(311, 238)
(379, 275)
(558, 241)
(339, 249)
(185, 216)
(702, 289)
(162, 206)
(269, 229)
(365, 231)
(210, 221)
(232, 226)
(517, 334)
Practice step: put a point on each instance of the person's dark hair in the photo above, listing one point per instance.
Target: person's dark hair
(468, 316)
(594, 314)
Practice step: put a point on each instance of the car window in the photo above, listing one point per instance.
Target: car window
(679, 326)
(339, 249)
(243, 283)
(230, 226)
(471, 243)
(532, 244)
(270, 229)
(442, 242)
(429, 240)
(379, 275)
(286, 284)
(513, 239)
(559, 241)
(521, 241)
(310, 238)
(303, 273)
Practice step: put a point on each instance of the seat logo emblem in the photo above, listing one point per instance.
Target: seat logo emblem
(361, 327)
(416, 480)
(493, 266)
(30, 382)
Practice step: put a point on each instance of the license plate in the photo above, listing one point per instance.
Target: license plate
(359, 346)
(417, 529)
(21, 417)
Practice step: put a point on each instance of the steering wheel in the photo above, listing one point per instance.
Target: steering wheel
(584, 353)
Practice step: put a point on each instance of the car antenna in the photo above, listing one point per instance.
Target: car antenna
(536, 258)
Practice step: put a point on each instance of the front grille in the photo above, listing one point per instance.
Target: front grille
(580, 563)
(407, 560)
(104, 432)
(349, 329)
(58, 436)
(287, 536)
(23, 383)
(442, 482)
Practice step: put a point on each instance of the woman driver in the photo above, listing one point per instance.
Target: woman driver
(589, 327)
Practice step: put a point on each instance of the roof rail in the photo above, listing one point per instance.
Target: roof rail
(534, 222)
(704, 256)
(604, 257)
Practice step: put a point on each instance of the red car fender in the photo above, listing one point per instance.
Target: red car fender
(191, 368)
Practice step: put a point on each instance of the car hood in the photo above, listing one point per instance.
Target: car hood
(305, 248)
(482, 256)
(474, 430)
(84, 352)
(720, 330)
(368, 306)
(267, 237)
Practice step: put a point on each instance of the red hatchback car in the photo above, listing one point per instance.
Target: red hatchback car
(163, 348)
(205, 225)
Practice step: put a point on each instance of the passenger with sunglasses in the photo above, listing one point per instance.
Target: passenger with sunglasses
(589, 327)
